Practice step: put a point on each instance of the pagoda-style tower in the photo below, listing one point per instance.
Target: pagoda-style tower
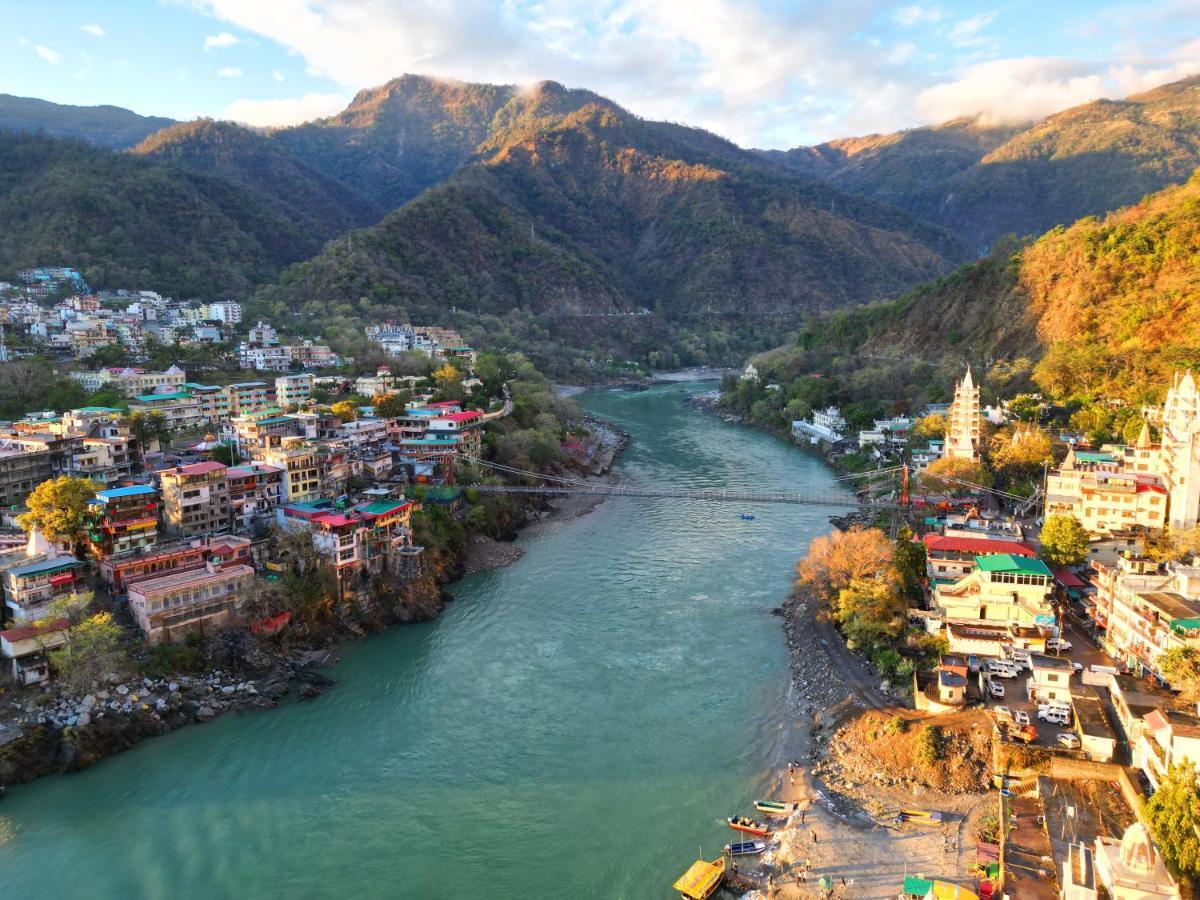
(964, 425)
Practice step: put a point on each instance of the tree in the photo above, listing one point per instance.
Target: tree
(837, 560)
(92, 651)
(1021, 450)
(1174, 815)
(938, 475)
(1025, 407)
(149, 426)
(931, 427)
(870, 612)
(1064, 541)
(226, 454)
(344, 410)
(910, 565)
(59, 508)
(1181, 666)
(449, 384)
(389, 406)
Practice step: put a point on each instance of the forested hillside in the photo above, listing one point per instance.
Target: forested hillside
(106, 126)
(1086, 160)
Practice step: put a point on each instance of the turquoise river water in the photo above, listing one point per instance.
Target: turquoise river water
(576, 725)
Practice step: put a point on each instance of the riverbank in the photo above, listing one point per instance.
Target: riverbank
(45, 732)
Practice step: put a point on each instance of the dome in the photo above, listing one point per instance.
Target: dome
(1137, 850)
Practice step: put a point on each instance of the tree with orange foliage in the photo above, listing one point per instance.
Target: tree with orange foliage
(837, 560)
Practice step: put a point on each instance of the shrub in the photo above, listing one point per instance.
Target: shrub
(928, 749)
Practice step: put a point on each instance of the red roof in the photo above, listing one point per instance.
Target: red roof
(465, 416)
(335, 520)
(201, 468)
(13, 635)
(443, 403)
(1067, 578)
(976, 546)
(1156, 488)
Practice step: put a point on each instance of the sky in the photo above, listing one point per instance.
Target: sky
(764, 73)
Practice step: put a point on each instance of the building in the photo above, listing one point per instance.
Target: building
(125, 519)
(30, 588)
(465, 425)
(249, 397)
(1105, 495)
(255, 492)
(1131, 869)
(169, 607)
(22, 468)
(1049, 679)
(361, 433)
(25, 648)
(195, 499)
(125, 569)
(224, 311)
(1179, 423)
(265, 359)
(964, 425)
(301, 467)
(950, 557)
(1002, 588)
(985, 640)
(366, 539)
(132, 381)
(293, 390)
(181, 410)
(1145, 610)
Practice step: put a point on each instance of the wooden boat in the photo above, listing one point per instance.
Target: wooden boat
(701, 880)
(741, 823)
(746, 848)
(922, 817)
(775, 807)
(747, 517)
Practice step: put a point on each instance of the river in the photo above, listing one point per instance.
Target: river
(577, 724)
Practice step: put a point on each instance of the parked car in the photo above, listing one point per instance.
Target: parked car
(1002, 668)
(1020, 658)
(1078, 667)
(1068, 740)
(995, 688)
(1021, 717)
(1058, 645)
(1055, 715)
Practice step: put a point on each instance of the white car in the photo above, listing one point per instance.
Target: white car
(1078, 667)
(1055, 715)
(1060, 645)
(996, 689)
(1068, 740)
(1020, 717)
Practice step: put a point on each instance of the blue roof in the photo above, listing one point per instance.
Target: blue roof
(133, 491)
(45, 565)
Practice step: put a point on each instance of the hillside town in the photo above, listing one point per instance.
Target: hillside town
(1064, 620)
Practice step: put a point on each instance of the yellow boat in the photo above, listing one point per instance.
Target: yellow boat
(701, 880)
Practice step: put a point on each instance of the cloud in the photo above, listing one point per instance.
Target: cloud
(93, 29)
(229, 72)
(291, 111)
(51, 56)
(277, 75)
(966, 32)
(1012, 90)
(908, 16)
(219, 41)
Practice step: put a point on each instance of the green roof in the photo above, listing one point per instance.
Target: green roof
(917, 887)
(97, 409)
(1094, 456)
(150, 398)
(1006, 562)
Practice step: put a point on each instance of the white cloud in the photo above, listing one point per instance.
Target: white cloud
(1012, 90)
(290, 111)
(229, 72)
(93, 29)
(219, 41)
(966, 32)
(277, 75)
(51, 56)
(908, 16)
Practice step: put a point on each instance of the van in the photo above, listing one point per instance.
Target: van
(1004, 668)
(1020, 658)
(1056, 715)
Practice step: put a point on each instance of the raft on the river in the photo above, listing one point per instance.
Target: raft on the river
(741, 823)
(701, 880)
(775, 807)
(746, 848)
(922, 817)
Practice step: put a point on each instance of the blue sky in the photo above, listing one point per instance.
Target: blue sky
(766, 73)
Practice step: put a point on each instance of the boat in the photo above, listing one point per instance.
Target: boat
(745, 848)
(775, 807)
(747, 517)
(922, 817)
(741, 823)
(701, 880)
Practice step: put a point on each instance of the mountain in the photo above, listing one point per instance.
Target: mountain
(317, 205)
(107, 126)
(1106, 307)
(572, 207)
(982, 183)
(126, 220)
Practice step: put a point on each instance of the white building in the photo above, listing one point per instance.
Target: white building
(963, 424)
(226, 312)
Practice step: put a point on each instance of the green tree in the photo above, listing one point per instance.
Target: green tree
(92, 651)
(910, 563)
(1064, 541)
(1025, 407)
(226, 454)
(60, 508)
(927, 746)
(389, 406)
(1181, 666)
(1174, 816)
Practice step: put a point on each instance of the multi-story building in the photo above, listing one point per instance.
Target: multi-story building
(301, 468)
(1179, 422)
(369, 538)
(1105, 495)
(22, 468)
(226, 312)
(255, 492)
(249, 397)
(195, 499)
(313, 356)
(293, 390)
(170, 607)
(181, 410)
(124, 569)
(362, 433)
(1001, 588)
(30, 588)
(265, 359)
(466, 425)
(1049, 679)
(382, 382)
(1147, 609)
(125, 519)
(964, 425)
(133, 381)
(950, 557)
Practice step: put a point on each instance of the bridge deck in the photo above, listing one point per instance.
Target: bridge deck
(838, 500)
